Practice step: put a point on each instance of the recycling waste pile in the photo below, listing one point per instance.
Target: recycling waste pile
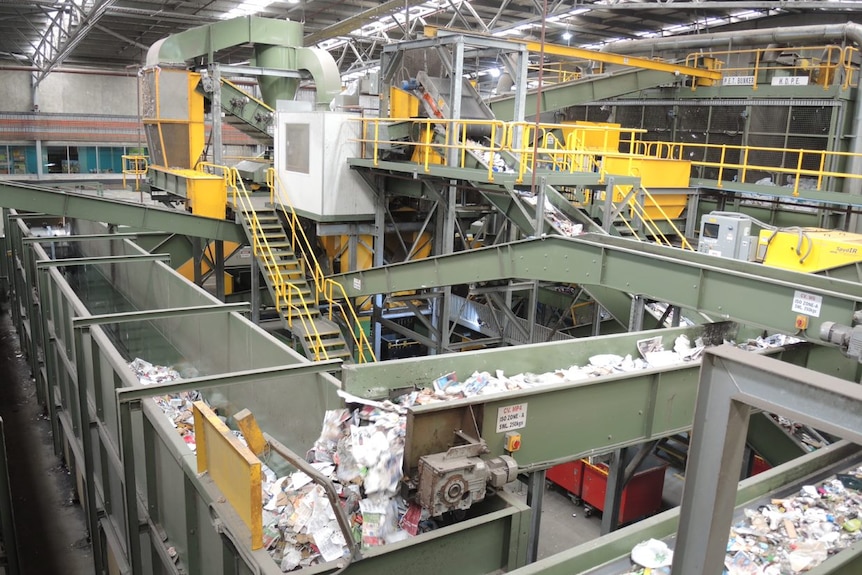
(361, 451)
(782, 537)
(653, 355)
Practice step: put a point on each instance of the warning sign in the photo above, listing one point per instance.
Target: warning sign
(807, 303)
(511, 417)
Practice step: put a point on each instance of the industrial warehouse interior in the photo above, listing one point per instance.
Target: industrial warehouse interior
(540, 287)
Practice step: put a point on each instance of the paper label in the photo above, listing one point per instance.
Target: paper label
(357, 283)
(511, 417)
(807, 303)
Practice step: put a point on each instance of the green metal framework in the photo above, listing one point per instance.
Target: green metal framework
(749, 293)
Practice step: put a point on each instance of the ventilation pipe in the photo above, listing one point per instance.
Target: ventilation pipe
(827, 33)
(278, 45)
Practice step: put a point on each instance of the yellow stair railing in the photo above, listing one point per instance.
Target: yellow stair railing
(288, 297)
(332, 292)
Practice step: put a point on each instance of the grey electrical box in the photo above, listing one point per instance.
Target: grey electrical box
(728, 236)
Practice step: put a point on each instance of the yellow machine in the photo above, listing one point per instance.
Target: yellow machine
(809, 249)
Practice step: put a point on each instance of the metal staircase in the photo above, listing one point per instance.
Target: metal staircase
(294, 278)
(284, 274)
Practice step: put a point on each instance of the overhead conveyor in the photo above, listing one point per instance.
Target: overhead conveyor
(29, 197)
(750, 293)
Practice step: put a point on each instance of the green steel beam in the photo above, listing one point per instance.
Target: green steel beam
(149, 315)
(103, 260)
(65, 204)
(88, 237)
(587, 89)
(618, 545)
(722, 288)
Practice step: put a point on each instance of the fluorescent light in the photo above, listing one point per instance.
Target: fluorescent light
(567, 35)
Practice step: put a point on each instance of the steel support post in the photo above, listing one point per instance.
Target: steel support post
(130, 490)
(83, 376)
(535, 497)
(218, 268)
(614, 491)
(255, 290)
(217, 152)
(197, 258)
(636, 316)
(733, 381)
(7, 523)
(608, 215)
(377, 256)
(597, 318)
(46, 295)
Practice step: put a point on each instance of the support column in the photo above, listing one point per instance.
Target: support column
(217, 151)
(614, 491)
(219, 269)
(197, 256)
(535, 496)
(379, 238)
(255, 289)
(636, 316)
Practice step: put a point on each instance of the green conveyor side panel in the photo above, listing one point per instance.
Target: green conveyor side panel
(770, 441)
(32, 198)
(588, 89)
(721, 288)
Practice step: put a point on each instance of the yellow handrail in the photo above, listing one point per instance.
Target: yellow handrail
(819, 64)
(331, 291)
(285, 292)
(134, 165)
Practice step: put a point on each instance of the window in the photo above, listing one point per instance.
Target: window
(297, 144)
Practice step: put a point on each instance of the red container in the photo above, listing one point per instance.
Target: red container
(569, 476)
(759, 465)
(641, 497)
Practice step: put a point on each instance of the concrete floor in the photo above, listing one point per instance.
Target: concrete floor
(565, 525)
(49, 521)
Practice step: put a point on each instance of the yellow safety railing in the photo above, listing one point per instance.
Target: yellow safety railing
(451, 135)
(288, 297)
(558, 72)
(851, 69)
(134, 165)
(574, 155)
(818, 65)
(737, 159)
(330, 290)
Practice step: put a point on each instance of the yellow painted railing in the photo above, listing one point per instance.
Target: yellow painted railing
(738, 161)
(818, 65)
(331, 291)
(134, 165)
(453, 135)
(288, 297)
